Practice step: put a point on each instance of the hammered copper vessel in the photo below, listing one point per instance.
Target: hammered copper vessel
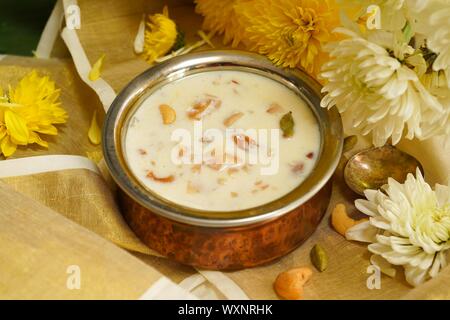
(222, 240)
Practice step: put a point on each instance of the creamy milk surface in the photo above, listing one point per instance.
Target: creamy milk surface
(213, 141)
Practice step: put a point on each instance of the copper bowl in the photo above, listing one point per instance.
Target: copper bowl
(222, 240)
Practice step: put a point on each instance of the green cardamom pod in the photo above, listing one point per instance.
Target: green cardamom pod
(319, 258)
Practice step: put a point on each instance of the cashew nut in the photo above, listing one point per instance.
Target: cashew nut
(340, 220)
(289, 284)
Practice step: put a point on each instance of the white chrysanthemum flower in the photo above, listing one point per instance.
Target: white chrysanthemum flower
(409, 226)
(372, 81)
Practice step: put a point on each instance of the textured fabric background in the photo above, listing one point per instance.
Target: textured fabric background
(109, 26)
(39, 245)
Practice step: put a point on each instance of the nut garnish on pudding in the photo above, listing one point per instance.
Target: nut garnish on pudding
(222, 141)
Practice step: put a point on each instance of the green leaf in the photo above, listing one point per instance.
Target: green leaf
(407, 32)
(180, 41)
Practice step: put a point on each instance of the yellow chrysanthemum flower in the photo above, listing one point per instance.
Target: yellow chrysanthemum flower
(160, 35)
(290, 32)
(221, 18)
(30, 109)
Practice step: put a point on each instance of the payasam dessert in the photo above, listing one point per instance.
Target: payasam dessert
(222, 141)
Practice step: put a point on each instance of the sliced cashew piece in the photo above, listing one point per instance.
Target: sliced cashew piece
(168, 114)
(232, 119)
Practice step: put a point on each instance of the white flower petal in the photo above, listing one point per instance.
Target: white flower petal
(366, 207)
(396, 258)
(371, 194)
(406, 249)
(385, 267)
(415, 276)
(422, 260)
(362, 232)
(380, 223)
(439, 263)
(378, 248)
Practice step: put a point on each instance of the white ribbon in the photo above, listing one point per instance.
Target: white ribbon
(228, 287)
(164, 289)
(40, 164)
(104, 91)
(202, 285)
(51, 32)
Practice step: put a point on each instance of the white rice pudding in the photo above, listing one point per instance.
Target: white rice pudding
(170, 156)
